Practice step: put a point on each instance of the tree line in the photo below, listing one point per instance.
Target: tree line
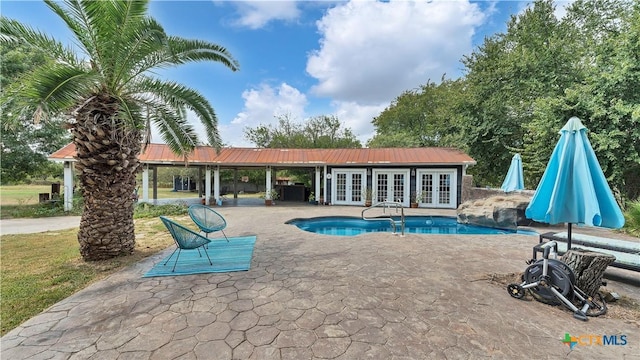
(25, 144)
(517, 90)
(520, 87)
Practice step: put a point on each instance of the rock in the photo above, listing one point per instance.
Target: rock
(610, 296)
(501, 211)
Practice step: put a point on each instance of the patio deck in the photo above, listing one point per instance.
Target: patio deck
(310, 296)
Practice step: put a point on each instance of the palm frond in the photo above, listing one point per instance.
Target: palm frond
(180, 51)
(186, 50)
(131, 112)
(175, 130)
(177, 96)
(121, 45)
(127, 12)
(14, 110)
(54, 88)
(118, 25)
(73, 16)
(14, 31)
(143, 42)
(98, 40)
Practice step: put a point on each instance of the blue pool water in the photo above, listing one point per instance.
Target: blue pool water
(351, 226)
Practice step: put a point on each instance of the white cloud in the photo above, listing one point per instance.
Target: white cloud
(256, 14)
(372, 51)
(261, 106)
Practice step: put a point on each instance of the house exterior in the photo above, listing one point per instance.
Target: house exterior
(342, 176)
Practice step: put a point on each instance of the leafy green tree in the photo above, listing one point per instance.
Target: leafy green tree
(24, 146)
(603, 38)
(400, 138)
(506, 77)
(25, 149)
(429, 116)
(326, 132)
(609, 99)
(520, 88)
(321, 132)
(112, 96)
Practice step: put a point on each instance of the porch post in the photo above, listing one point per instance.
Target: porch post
(199, 182)
(268, 187)
(235, 183)
(145, 183)
(68, 185)
(324, 195)
(207, 184)
(154, 187)
(216, 185)
(317, 190)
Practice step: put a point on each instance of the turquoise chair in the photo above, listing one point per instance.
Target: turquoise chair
(186, 239)
(208, 220)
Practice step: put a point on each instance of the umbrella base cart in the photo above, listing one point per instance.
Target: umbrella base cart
(553, 282)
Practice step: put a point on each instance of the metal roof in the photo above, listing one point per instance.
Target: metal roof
(245, 157)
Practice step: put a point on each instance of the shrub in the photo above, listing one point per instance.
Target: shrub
(632, 218)
(145, 210)
(41, 210)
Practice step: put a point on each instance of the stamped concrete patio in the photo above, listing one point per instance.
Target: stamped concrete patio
(310, 296)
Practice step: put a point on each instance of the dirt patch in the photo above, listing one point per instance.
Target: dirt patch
(625, 308)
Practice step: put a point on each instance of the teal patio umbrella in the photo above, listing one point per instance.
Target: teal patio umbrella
(573, 188)
(515, 177)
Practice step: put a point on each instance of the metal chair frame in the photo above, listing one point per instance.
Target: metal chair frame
(208, 220)
(185, 239)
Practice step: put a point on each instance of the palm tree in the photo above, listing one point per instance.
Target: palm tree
(111, 97)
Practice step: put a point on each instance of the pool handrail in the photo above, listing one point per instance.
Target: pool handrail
(385, 205)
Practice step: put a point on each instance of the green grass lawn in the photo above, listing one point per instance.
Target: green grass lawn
(21, 201)
(41, 269)
(21, 194)
(28, 194)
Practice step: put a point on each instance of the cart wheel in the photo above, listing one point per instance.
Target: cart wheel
(558, 276)
(597, 305)
(515, 291)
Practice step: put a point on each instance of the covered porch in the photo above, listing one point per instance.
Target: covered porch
(339, 176)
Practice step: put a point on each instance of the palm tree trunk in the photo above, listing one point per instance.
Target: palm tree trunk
(107, 163)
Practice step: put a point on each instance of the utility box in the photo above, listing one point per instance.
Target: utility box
(43, 198)
(55, 189)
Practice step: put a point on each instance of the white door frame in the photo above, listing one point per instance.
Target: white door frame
(406, 184)
(436, 195)
(348, 195)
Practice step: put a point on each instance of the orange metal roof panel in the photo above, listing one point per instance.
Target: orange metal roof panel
(66, 153)
(160, 153)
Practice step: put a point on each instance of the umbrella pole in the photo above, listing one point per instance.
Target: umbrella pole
(569, 238)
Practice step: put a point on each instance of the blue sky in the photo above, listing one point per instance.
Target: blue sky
(308, 58)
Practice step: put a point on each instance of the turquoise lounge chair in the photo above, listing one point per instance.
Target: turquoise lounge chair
(208, 220)
(185, 239)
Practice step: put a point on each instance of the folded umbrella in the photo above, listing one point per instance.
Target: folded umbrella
(573, 188)
(515, 177)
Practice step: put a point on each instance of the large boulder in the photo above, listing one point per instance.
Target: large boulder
(500, 211)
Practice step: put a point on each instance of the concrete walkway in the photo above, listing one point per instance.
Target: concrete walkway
(30, 226)
(309, 296)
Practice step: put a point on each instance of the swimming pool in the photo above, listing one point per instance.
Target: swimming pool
(351, 226)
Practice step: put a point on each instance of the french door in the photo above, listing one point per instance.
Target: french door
(391, 185)
(348, 186)
(438, 188)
